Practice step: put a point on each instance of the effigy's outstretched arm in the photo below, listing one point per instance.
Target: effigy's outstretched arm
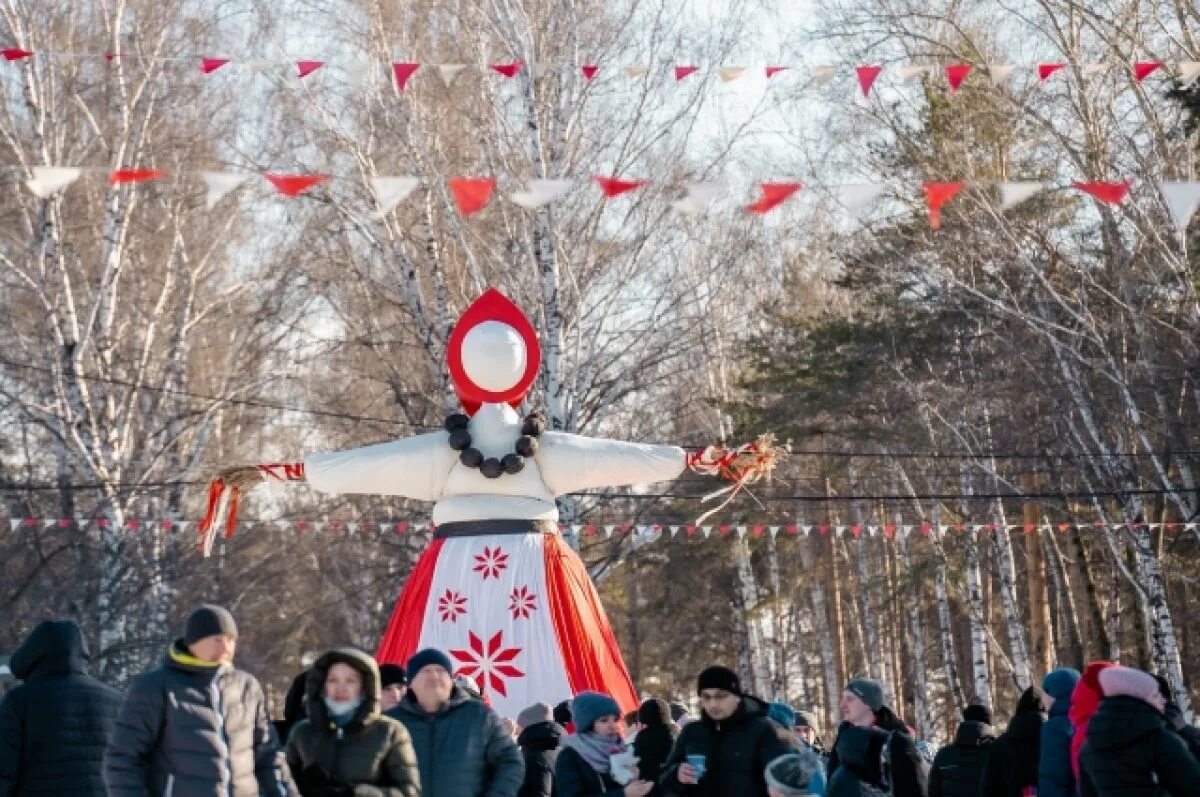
(570, 462)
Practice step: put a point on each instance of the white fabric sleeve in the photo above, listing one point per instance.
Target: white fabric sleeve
(570, 463)
(413, 467)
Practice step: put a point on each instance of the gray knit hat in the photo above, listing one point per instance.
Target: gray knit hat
(208, 620)
(868, 690)
(797, 775)
(538, 712)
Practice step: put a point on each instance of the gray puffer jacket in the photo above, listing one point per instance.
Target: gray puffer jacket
(190, 729)
(463, 750)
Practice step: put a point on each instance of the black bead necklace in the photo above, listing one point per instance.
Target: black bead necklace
(492, 468)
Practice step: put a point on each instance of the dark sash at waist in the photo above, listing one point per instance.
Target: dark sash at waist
(483, 528)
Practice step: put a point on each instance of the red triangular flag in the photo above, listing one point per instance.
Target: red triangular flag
(472, 194)
(1144, 69)
(936, 195)
(1046, 70)
(866, 77)
(508, 70)
(403, 71)
(294, 184)
(589, 71)
(683, 71)
(612, 186)
(306, 68)
(15, 54)
(208, 65)
(956, 74)
(772, 71)
(121, 176)
(1112, 193)
(772, 195)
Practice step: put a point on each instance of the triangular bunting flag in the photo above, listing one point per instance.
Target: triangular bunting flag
(741, 532)
(773, 194)
(683, 71)
(956, 74)
(866, 77)
(391, 191)
(15, 53)
(823, 74)
(47, 180)
(699, 195)
(674, 530)
(508, 70)
(1107, 192)
(14, 523)
(294, 184)
(937, 195)
(448, 72)
(999, 73)
(1046, 70)
(219, 184)
(210, 65)
(472, 194)
(911, 72)
(123, 176)
(1188, 72)
(857, 198)
(402, 71)
(589, 71)
(608, 531)
(1144, 69)
(728, 74)
(636, 71)
(541, 193)
(706, 531)
(614, 187)
(772, 71)
(1015, 193)
(1182, 200)
(773, 530)
(306, 68)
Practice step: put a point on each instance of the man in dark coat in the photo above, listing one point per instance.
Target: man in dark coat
(54, 727)
(656, 738)
(958, 767)
(1012, 765)
(733, 735)
(1055, 776)
(196, 726)
(539, 739)
(861, 707)
(462, 747)
(1130, 752)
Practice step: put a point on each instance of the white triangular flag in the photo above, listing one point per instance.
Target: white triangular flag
(541, 192)
(706, 531)
(905, 531)
(182, 525)
(47, 180)
(608, 530)
(857, 198)
(911, 72)
(449, 72)
(14, 523)
(575, 529)
(636, 71)
(1015, 193)
(81, 523)
(352, 528)
(48, 522)
(1188, 71)
(699, 195)
(773, 530)
(730, 73)
(1182, 200)
(284, 525)
(822, 74)
(839, 531)
(741, 531)
(219, 184)
(1189, 526)
(391, 191)
(383, 527)
(674, 530)
(999, 72)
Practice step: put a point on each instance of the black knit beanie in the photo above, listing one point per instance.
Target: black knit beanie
(718, 677)
(209, 620)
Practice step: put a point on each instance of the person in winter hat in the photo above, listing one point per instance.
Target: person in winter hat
(562, 715)
(196, 726)
(806, 733)
(1175, 721)
(958, 767)
(1130, 751)
(54, 726)
(734, 737)
(656, 738)
(393, 683)
(796, 775)
(1055, 777)
(587, 764)
(346, 747)
(1085, 701)
(862, 707)
(539, 739)
(1012, 762)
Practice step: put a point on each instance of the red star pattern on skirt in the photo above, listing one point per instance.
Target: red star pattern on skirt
(491, 562)
(451, 605)
(522, 603)
(488, 665)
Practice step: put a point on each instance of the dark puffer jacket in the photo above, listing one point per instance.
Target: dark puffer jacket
(463, 750)
(958, 768)
(55, 726)
(654, 741)
(371, 753)
(575, 777)
(1130, 752)
(1013, 758)
(908, 772)
(192, 729)
(539, 745)
(737, 751)
(859, 755)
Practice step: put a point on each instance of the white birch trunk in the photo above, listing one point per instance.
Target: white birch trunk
(916, 630)
(981, 677)
(748, 592)
(1006, 571)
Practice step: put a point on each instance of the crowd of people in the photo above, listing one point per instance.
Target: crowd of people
(197, 726)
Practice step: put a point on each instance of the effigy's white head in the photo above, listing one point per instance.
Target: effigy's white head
(494, 356)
